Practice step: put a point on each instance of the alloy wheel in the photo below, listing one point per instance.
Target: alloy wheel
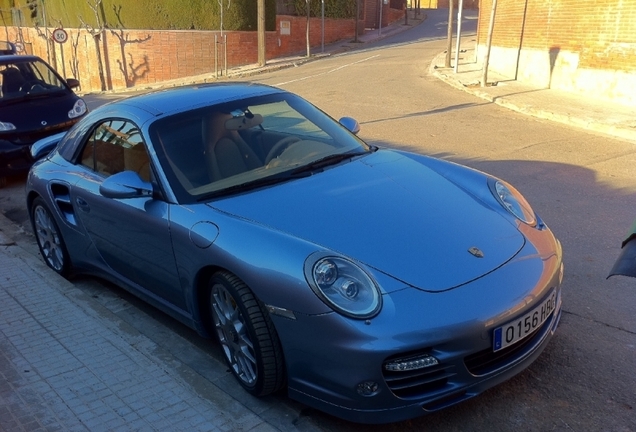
(232, 331)
(49, 239)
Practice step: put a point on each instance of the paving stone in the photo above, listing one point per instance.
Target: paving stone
(66, 367)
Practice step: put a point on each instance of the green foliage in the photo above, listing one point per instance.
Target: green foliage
(333, 8)
(146, 14)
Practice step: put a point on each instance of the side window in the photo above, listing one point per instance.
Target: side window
(116, 146)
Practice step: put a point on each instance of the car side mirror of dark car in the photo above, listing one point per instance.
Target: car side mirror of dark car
(351, 124)
(43, 147)
(72, 83)
(126, 184)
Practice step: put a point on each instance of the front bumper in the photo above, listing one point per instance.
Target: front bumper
(14, 159)
(329, 357)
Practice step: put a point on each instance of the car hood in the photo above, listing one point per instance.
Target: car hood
(37, 113)
(392, 213)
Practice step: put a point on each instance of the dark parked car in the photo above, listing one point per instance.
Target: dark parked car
(374, 284)
(34, 102)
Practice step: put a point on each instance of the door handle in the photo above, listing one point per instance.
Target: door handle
(82, 204)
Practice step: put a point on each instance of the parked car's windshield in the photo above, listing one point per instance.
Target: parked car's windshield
(237, 146)
(20, 79)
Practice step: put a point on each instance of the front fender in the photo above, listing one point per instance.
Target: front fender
(270, 262)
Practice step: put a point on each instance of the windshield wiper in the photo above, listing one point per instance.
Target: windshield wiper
(254, 184)
(329, 160)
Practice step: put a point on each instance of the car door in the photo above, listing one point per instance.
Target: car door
(132, 235)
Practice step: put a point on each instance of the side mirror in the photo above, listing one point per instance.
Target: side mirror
(45, 146)
(72, 83)
(625, 264)
(126, 184)
(351, 124)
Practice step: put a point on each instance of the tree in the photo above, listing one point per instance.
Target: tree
(221, 12)
(130, 71)
(260, 25)
(96, 32)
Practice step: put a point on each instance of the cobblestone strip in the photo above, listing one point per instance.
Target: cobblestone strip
(63, 368)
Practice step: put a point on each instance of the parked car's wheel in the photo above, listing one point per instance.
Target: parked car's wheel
(49, 238)
(247, 335)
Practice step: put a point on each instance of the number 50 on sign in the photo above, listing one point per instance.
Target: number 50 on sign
(60, 35)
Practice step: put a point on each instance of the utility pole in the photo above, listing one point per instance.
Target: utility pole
(322, 33)
(484, 76)
(261, 32)
(449, 45)
(380, 26)
(406, 13)
(355, 38)
(459, 33)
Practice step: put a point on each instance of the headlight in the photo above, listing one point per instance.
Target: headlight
(512, 201)
(79, 109)
(343, 285)
(5, 126)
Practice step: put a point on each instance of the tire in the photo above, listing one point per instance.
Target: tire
(49, 238)
(251, 347)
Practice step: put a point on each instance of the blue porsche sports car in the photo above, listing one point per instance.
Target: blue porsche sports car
(373, 284)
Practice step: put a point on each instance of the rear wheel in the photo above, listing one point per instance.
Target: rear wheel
(49, 238)
(247, 335)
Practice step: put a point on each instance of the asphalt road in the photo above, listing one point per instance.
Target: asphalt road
(582, 184)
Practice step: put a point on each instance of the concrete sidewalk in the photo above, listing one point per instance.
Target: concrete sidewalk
(67, 364)
(581, 111)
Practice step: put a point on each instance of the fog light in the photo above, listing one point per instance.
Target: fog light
(412, 363)
(368, 388)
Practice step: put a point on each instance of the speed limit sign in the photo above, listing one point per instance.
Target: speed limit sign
(60, 35)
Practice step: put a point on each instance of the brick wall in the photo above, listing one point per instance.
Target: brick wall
(137, 57)
(392, 11)
(581, 46)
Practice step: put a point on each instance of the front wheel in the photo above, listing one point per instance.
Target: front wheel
(49, 238)
(247, 335)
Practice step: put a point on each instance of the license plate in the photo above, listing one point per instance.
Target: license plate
(516, 330)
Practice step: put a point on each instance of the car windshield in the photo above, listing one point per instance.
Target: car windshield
(234, 147)
(24, 78)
